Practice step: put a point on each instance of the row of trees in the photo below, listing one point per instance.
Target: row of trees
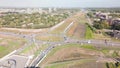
(113, 65)
(105, 25)
(111, 10)
(101, 24)
(35, 20)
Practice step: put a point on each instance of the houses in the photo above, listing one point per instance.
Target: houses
(113, 22)
(115, 25)
(116, 21)
(116, 34)
(106, 16)
(102, 16)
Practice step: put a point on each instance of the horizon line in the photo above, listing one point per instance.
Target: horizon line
(56, 7)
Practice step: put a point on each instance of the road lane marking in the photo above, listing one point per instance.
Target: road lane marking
(54, 27)
(68, 27)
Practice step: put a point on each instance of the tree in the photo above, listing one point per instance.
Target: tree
(105, 24)
(90, 14)
(97, 25)
(116, 26)
(101, 24)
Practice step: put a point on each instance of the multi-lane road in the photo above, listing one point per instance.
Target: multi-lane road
(31, 39)
(41, 56)
(69, 41)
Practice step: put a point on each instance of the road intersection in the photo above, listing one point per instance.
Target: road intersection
(43, 54)
(23, 61)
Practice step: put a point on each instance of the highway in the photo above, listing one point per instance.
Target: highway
(41, 56)
(67, 40)
(15, 56)
(31, 39)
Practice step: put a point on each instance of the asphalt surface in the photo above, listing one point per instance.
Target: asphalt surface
(21, 61)
(68, 41)
(14, 61)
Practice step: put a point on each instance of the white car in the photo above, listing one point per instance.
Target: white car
(89, 41)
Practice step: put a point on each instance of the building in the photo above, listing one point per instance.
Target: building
(116, 21)
(102, 16)
(116, 34)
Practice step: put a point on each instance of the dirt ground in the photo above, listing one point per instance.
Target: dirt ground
(89, 65)
(10, 43)
(71, 53)
(7, 37)
(78, 29)
(79, 32)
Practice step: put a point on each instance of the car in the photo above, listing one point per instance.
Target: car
(59, 44)
(89, 41)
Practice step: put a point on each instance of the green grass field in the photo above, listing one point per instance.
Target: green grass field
(69, 64)
(9, 45)
(43, 47)
(34, 49)
(66, 46)
(86, 46)
(84, 63)
(89, 33)
(28, 48)
(60, 29)
(63, 63)
(89, 47)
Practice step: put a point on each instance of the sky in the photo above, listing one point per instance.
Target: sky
(60, 3)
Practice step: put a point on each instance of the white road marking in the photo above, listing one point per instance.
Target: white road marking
(54, 27)
(40, 61)
(27, 63)
(68, 27)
